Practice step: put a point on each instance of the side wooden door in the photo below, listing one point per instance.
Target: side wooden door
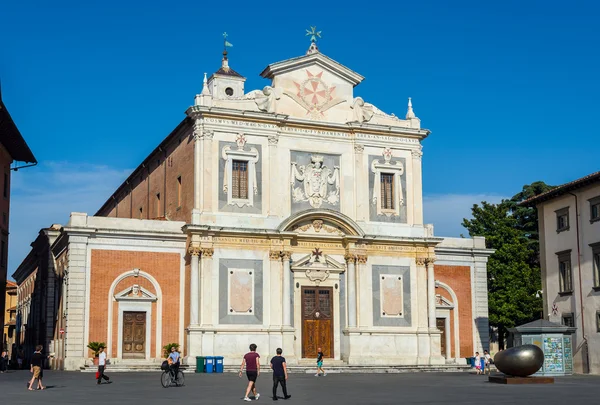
(134, 335)
(441, 325)
(317, 321)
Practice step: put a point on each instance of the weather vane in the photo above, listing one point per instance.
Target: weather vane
(313, 33)
(226, 43)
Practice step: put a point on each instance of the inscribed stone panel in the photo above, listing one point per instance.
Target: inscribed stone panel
(399, 271)
(256, 207)
(373, 216)
(391, 295)
(250, 318)
(315, 181)
(241, 291)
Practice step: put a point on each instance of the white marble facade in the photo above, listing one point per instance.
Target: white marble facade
(333, 207)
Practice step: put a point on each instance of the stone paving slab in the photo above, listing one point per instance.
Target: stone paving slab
(350, 389)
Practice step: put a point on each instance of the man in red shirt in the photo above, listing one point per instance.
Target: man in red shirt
(252, 363)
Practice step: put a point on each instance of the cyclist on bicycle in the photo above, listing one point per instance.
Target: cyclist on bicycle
(174, 360)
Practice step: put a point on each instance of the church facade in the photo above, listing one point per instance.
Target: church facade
(289, 217)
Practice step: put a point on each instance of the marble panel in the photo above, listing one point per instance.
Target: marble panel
(399, 271)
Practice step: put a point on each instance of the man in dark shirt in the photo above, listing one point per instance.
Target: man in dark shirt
(37, 361)
(280, 374)
(252, 363)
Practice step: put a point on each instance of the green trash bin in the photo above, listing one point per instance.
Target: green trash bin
(200, 364)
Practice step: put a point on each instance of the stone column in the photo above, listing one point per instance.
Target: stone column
(417, 187)
(430, 293)
(194, 286)
(198, 183)
(206, 275)
(351, 260)
(287, 298)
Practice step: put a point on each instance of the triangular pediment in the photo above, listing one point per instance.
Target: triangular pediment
(315, 60)
(322, 262)
(135, 292)
(443, 302)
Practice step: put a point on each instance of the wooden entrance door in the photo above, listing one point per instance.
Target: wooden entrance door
(134, 335)
(441, 325)
(317, 321)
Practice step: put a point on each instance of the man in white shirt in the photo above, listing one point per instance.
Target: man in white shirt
(101, 365)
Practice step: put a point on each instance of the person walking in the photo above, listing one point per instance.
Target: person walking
(37, 362)
(478, 363)
(252, 362)
(320, 363)
(3, 361)
(101, 365)
(487, 360)
(280, 374)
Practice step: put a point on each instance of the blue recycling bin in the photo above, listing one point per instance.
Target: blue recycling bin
(219, 364)
(210, 364)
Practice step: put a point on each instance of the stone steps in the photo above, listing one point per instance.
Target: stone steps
(305, 367)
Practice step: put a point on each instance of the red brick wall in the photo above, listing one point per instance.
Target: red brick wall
(5, 162)
(176, 160)
(459, 279)
(107, 265)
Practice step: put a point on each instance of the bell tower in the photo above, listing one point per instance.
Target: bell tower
(226, 83)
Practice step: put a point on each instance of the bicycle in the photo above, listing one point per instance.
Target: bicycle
(168, 379)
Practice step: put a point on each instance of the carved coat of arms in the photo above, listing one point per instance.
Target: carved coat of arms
(316, 180)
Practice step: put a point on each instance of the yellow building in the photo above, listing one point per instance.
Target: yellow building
(10, 316)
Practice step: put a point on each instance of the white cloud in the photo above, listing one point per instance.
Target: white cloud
(446, 211)
(46, 194)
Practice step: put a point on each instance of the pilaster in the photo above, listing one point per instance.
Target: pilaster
(209, 289)
(274, 206)
(417, 187)
(208, 191)
(194, 286)
(352, 304)
(198, 180)
(287, 298)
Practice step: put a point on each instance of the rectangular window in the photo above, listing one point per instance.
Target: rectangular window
(596, 264)
(239, 179)
(595, 209)
(179, 191)
(562, 220)
(5, 185)
(568, 320)
(158, 213)
(387, 191)
(564, 272)
(598, 321)
(4, 218)
(141, 213)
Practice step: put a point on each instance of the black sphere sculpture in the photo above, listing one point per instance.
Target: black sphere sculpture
(521, 361)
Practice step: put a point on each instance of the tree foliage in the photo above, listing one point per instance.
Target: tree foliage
(513, 270)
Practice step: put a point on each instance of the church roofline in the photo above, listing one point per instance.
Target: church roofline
(160, 147)
(320, 59)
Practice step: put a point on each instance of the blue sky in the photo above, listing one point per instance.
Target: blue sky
(509, 89)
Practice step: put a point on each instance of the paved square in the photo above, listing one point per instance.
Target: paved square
(421, 388)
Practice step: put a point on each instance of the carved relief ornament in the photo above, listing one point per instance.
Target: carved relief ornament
(207, 252)
(421, 261)
(316, 179)
(194, 251)
(275, 255)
